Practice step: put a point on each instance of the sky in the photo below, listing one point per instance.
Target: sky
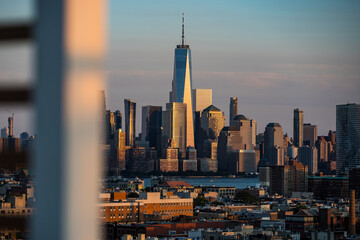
(273, 55)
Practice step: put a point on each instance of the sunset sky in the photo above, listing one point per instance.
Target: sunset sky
(273, 55)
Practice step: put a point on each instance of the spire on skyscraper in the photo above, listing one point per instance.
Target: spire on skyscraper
(183, 25)
(182, 45)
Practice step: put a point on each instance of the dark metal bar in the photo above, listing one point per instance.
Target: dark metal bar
(10, 95)
(14, 222)
(13, 160)
(15, 32)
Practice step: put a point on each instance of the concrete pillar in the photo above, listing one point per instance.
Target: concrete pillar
(70, 41)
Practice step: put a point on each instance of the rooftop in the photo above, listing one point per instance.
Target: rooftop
(273, 125)
(211, 108)
(240, 117)
(174, 184)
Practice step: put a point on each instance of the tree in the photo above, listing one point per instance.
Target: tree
(200, 201)
(132, 195)
(245, 197)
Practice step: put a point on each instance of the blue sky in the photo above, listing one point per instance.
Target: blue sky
(273, 55)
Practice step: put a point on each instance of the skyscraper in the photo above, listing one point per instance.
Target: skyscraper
(151, 126)
(229, 140)
(109, 125)
(174, 125)
(182, 85)
(212, 121)
(233, 108)
(347, 137)
(130, 116)
(276, 156)
(11, 126)
(298, 127)
(247, 128)
(118, 163)
(5, 132)
(118, 120)
(307, 155)
(273, 137)
(310, 134)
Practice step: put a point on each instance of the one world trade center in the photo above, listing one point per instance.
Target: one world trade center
(182, 84)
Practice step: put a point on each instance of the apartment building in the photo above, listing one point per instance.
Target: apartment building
(147, 205)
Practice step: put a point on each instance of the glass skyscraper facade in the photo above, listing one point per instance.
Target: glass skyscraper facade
(182, 86)
(130, 116)
(347, 137)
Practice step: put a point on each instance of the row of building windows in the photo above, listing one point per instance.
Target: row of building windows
(112, 216)
(120, 208)
(172, 211)
(17, 211)
(171, 204)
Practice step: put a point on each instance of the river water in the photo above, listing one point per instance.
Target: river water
(238, 183)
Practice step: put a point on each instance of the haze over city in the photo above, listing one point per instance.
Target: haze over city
(273, 56)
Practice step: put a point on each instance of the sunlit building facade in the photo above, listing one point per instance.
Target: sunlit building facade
(174, 124)
(130, 116)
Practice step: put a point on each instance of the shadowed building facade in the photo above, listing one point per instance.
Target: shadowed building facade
(229, 140)
(289, 178)
(118, 119)
(151, 126)
(298, 127)
(347, 137)
(233, 108)
(310, 133)
(273, 139)
(308, 156)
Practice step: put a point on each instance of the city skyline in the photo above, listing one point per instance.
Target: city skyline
(273, 57)
(180, 172)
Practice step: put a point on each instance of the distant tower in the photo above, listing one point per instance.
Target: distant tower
(352, 215)
(11, 126)
(151, 126)
(247, 128)
(347, 137)
(298, 127)
(307, 155)
(5, 132)
(118, 119)
(233, 108)
(130, 116)
(310, 134)
(212, 121)
(273, 137)
(182, 85)
(109, 125)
